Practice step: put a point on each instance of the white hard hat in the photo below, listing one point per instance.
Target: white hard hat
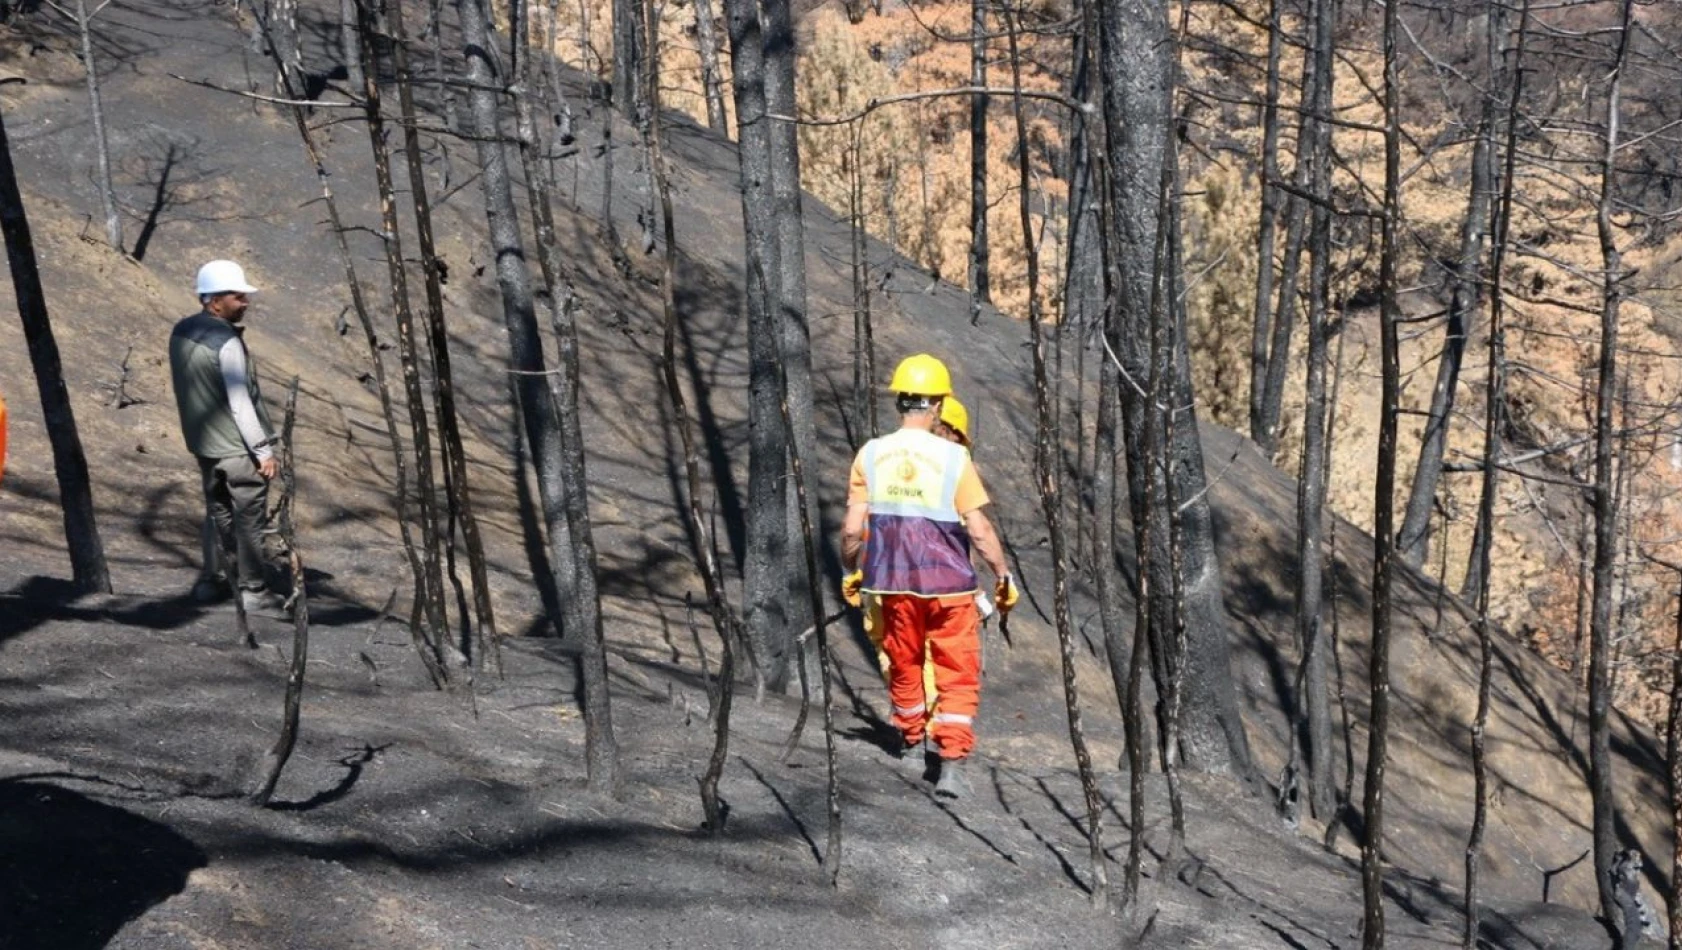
(223, 277)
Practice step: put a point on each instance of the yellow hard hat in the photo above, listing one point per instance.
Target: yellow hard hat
(955, 416)
(921, 375)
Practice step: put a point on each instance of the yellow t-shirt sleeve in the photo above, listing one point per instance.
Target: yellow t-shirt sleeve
(971, 494)
(857, 492)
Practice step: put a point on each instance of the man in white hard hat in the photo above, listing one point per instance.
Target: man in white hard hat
(227, 429)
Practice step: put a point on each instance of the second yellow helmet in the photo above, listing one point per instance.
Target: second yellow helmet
(955, 416)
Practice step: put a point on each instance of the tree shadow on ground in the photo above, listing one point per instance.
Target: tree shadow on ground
(1538, 926)
(789, 809)
(42, 599)
(353, 764)
(39, 600)
(73, 871)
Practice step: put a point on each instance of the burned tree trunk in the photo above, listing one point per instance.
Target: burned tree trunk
(1464, 303)
(1048, 467)
(1283, 323)
(559, 475)
(712, 72)
(1108, 508)
(276, 27)
(1128, 657)
(274, 761)
(1119, 645)
(514, 282)
(70, 465)
(350, 47)
(96, 109)
(1346, 794)
(1314, 707)
(382, 387)
(1137, 59)
(832, 776)
(1263, 309)
(579, 593)
(794, 382)
(725, 622)
(1127, 652)
(442, 89)
(1494, 404)
(1166, 319)
(794, 344)
(628, 54)
(766, 564)
(564, 138)
(1384, 502)
(1083, 300)
(1601, 632)
(864, 350)
(1673, 778)
(430, 586)
(388, 415)
(979, 292)
(457, 490)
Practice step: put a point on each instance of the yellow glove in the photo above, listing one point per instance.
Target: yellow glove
(1005, 594)
(852, 588)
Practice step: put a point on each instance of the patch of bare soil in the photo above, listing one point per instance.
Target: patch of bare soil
(411, 818)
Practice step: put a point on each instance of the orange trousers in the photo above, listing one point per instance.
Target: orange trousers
(948, 631)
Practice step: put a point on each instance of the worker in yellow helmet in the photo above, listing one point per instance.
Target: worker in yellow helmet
(954, 422)
(920, 500)
(953, 426)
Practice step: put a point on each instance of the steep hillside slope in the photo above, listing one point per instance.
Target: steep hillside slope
(414, 823)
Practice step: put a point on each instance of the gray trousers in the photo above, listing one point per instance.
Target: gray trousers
(236, 500)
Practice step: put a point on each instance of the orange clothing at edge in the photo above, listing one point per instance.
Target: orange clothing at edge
(918, 487)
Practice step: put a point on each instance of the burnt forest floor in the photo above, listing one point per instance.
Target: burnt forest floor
(412, 818)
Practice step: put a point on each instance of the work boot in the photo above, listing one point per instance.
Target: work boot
(952, 783)
(265, 603)
(210, 589)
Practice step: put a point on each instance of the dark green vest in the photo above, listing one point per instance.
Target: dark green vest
(195, 366)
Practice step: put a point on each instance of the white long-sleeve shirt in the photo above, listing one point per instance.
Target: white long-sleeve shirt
(236, 375)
